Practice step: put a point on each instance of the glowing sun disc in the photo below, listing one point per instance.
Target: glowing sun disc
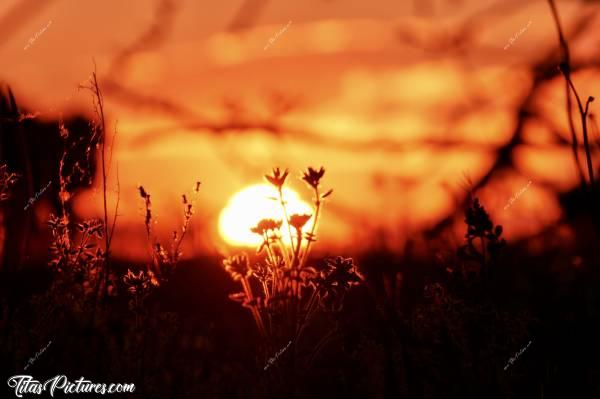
(252, 204)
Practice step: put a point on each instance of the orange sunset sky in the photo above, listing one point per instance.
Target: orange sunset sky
(398, 100)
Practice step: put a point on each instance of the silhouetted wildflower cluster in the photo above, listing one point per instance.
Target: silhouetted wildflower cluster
(75, 165)
(139, 286)
(483, 239)
(77, 253)
(334, 280)
(282, 292)
(76, 250)
(163, 260)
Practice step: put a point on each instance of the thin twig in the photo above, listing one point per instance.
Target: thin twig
(566, 56)
(566, 70)
(311, 237)
(287, 220)
(100, 104)
(118, 192)
(574, 141)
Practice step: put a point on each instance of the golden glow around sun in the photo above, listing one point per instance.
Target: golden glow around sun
(254, 203)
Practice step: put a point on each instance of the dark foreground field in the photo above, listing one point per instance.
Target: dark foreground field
(416, 328)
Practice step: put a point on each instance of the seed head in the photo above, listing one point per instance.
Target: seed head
(143, 192)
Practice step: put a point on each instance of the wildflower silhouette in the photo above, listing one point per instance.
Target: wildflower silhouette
(164, 261)
(313, 177)
(298, 221)
(266, 225)
(284, 294)
(278, 178)
(480, 228)
(141, 282)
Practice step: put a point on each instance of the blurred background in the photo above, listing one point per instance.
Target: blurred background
(402, 102)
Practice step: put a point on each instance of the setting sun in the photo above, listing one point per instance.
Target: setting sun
(252, 204)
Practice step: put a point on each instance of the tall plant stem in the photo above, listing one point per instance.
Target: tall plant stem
(287, 222)
(255, 312)
(318, 205)
(574, 140)
(270, 252)
(100, 101)
(583, 113)
(566, 70)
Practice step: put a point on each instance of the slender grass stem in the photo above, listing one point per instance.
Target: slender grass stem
(583, 113)
(287, 219)
(574, 140)
(311, 238)
(270, 252)
(566, 70)
(100, 103)
(255, 313)
(266, 290)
